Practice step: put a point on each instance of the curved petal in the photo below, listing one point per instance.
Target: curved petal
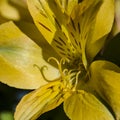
(51, 22)
(20, 59)
(105, 79)
(40, 101)
(103, 25)
(47, 16)
(31, 31)
(85, 106)
(81, 25)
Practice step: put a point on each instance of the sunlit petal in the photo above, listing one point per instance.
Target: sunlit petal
(31, 31)
(21, 59)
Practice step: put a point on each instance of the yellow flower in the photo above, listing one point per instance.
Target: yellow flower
(77, 32)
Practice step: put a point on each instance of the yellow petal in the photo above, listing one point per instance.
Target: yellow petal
(40, 101)
(103, 25)
(67, 6)
(31, 31)
(45, 13)
(105, 79)
(51, 22)
(85, 106)
(18, 57)
(81, 27)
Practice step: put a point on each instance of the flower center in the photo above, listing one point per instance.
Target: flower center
(71, 72)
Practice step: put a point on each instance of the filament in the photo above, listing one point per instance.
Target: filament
(69, 77)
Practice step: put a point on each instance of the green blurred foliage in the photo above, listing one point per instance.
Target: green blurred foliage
(6, 115)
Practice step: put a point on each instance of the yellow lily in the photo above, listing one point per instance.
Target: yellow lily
(77, 32)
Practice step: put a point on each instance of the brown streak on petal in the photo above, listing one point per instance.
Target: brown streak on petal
(79, 28)
(62, 40)
(58, 42)
(57, 23)
(73, 24)
(45, 27)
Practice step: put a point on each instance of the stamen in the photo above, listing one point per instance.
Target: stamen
(62, 71)
(58, 63)
(53, 58)
(65, 71)
(37, 66)
(42, 72)
(76, 80)
(69, 77)
(66, 75)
